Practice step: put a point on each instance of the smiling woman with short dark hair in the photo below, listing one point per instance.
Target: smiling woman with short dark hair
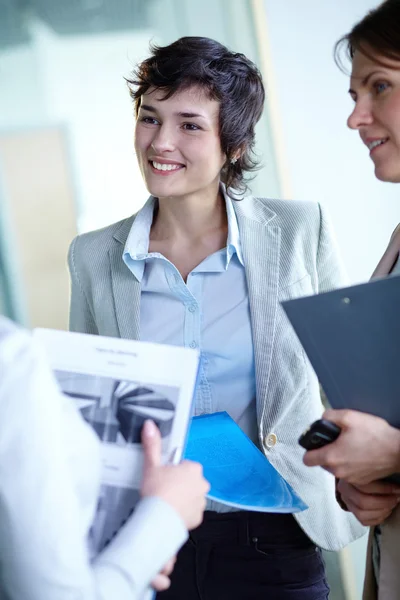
(205, 266)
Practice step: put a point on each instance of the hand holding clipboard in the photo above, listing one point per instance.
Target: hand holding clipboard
(352, 338)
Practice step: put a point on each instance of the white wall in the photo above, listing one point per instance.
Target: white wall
(325, 160)
(84, 87)
(78, 81)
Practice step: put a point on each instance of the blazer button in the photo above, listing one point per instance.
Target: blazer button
(270, 440)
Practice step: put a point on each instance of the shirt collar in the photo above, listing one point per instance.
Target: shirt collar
(233, 245)
(136, 249)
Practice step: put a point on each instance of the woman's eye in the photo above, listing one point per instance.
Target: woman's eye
(190, 127)
(148, 120)
(380, 86)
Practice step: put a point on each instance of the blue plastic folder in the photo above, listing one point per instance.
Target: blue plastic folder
(238, 473)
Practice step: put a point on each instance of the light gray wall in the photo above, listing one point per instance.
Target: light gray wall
(325, 160)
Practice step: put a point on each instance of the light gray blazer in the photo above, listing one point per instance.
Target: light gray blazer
(288, 252)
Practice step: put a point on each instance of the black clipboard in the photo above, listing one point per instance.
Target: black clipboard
(352, 338)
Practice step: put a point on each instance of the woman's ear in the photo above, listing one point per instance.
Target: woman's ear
(235, 156)
(238, 153)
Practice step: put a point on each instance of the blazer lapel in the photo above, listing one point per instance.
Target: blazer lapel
(260, 241)
(390, 257)
(126, 288)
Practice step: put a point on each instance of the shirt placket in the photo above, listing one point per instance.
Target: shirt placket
(192, 325)
(190, 294)
(195, 284)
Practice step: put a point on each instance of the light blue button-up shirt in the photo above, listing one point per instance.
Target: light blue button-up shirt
(210, 312)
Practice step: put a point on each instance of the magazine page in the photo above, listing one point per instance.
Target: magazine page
(117, 384)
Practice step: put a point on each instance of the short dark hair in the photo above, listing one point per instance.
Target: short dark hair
(378, 32)
(229, 77)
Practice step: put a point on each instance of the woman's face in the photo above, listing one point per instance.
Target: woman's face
(375, 89)
(177, 143)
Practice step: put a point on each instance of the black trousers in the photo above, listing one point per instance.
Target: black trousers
(248, 556)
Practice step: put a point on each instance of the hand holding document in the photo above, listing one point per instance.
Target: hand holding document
(117, 385)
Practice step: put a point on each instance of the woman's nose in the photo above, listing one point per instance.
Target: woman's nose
(164, 140)
(360, 116)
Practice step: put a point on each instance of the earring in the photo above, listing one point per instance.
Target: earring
(233, 160)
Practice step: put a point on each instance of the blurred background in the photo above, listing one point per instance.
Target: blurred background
(67, 162)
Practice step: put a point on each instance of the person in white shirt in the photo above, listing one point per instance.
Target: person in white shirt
(49, 482)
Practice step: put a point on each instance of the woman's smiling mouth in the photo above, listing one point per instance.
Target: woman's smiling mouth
(165, 167)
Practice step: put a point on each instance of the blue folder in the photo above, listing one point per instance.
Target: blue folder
(238, 473)
(352, 338)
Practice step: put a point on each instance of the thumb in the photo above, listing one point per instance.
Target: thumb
(151, 440)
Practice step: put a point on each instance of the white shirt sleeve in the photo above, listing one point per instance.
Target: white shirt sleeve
(49, 483)
(154, 534)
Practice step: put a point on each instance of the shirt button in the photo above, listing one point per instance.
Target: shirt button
(192, 308)
(193, 345)
(270, 440)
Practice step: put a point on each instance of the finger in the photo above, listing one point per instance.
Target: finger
(362, 501)
(370, 502)
(169, 567)
(151, 440)
(372, 521)
(379, 487)
(369, 518)
(192, 466)
(316, 458)
(160, 582)
(339, 417)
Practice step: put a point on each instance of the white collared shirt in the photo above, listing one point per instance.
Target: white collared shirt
(49, 482)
